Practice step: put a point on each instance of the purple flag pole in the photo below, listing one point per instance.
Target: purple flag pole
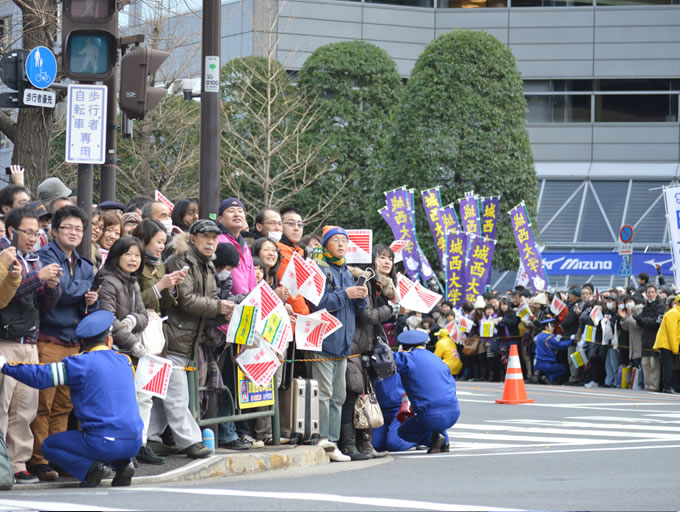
(529, 254)
(469, 213)
(398, 216)
(432, 204)
(456, 248)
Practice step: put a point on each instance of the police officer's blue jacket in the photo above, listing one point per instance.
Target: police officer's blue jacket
(427, 380)
(102, 390)
(62, 319)
(389, 392)
(336, 301)
(547, 345)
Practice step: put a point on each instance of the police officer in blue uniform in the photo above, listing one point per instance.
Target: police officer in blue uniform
(104, 401)
(547, 347)
(389, 393)
(431, 389)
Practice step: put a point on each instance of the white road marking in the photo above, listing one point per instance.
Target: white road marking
(582, 431)
(50, 505)
(311, 496)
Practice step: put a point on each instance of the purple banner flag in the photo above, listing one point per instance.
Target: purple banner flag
(448, 216)
(425, 271)
(456, 249)
(478, 266)
(529, 255)
(433, 205)
(489, 215)
(469, 214)
(399, 217)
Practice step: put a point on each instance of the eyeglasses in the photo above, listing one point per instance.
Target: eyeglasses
(68, 227)
(29, 233)
(339, 239)
(292, 224)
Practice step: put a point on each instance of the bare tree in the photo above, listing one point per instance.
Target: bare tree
(267, 157)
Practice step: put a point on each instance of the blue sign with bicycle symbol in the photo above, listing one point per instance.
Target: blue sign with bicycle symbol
(41, 67)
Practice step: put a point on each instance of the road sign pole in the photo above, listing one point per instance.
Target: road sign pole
(107, 185)
(85, 185)
(209, 169)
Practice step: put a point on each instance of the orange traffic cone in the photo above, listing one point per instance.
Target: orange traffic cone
(514, 392)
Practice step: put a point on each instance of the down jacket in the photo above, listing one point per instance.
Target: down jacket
(368, 325)
(197, 298)
(120, 294)
(650, 320)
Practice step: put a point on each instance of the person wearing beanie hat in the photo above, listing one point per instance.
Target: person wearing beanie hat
(344, 300)
(232, 223)
(52, 189)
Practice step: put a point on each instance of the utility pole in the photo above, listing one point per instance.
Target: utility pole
(209, 169)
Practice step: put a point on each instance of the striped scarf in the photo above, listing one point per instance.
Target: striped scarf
(332, 259)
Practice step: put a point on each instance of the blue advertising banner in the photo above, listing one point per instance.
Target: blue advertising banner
(603, 263)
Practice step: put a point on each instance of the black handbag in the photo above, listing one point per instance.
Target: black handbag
(382, 361)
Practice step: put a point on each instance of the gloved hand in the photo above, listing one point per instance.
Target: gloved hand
(130, 322)
(138, 349)
(558, 337)
(3, 362)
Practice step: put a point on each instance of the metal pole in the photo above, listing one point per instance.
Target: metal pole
(85, 184)
(107, 185)
(209, 170)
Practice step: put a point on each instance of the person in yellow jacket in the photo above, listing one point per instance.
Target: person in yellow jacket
(446, 350)
(10, 275)
(667, 344)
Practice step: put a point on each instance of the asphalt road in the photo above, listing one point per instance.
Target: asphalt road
(574, 449)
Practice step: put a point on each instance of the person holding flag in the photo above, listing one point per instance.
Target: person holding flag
(547, 347)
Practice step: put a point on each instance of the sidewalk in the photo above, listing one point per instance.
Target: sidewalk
(223, 463)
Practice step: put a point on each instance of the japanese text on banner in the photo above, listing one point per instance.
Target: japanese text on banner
(398, 217)
(529, 254)
(432, 204)
(469, 213)
(456, 243)
(489, 216)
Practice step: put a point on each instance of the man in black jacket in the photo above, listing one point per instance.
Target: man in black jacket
(650, 320)
(569, 328)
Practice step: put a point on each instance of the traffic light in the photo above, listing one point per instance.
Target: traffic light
(89, 33)
(13, 74)
(136, 97)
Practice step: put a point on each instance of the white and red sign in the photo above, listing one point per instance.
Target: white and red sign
(398, 247)
(360, 246)
(557, 306)
(418, 298)
(277, 330)
(258, 364)
(162, 199)
(314, 287)
(333, 323)
(596, 315)
(309, 333)
(153, 375)
(266, 300)
(304, 278)
(404, 284)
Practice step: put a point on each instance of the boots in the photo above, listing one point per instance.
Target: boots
(347, 443)
(365, 445)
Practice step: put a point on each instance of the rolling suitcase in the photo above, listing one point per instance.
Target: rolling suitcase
(300, 411)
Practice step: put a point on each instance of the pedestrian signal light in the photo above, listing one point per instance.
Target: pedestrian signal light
(136, 96)
(89, 39)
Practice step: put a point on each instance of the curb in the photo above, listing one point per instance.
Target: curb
(219, 465)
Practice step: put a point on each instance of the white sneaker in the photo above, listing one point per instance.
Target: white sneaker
(591, 384)
(337, 456)
(327, 445)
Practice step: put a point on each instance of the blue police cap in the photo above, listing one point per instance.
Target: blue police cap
(413, 337)
(111, 205)
(95, 324)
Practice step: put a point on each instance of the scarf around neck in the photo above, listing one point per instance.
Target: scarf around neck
(332, 259)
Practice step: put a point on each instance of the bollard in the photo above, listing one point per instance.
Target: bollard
(209, 438)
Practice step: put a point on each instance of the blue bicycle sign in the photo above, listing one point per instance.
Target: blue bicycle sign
(41, 67)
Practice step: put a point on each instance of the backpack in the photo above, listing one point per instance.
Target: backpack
(382, 360)
(6, 475)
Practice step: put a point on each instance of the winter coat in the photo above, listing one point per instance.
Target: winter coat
(8, 285)
(649, 320)
(61, 321)
(150, 275)
(286, 249)
(368, 326)
(120, 294)
(570, 323)
(594, 349)
(446, 350)
(243, 275)
(338, 304)
(32, 296)
(197, 298)
(667, 336)
(634, 333)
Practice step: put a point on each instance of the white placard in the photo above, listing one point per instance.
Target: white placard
(211, 82)
(37, 98)
(153, 375)
(86, 124)
(359, 246)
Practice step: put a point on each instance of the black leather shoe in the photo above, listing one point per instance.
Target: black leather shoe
(355, 454)
(124, 473)
(147, 456)
(97, 472)
(438, 440)
(446, 448)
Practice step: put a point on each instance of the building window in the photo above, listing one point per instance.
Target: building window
(636, 108)
(471, 4)
(558, 108)
(408, 3)
(5, 32)
(550, 3)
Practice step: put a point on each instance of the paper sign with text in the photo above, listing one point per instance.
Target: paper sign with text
(259, 363)
(360, 246)
(398, 247)
(241, 328)
(153, 375)
(162, 199)
(309, 333)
